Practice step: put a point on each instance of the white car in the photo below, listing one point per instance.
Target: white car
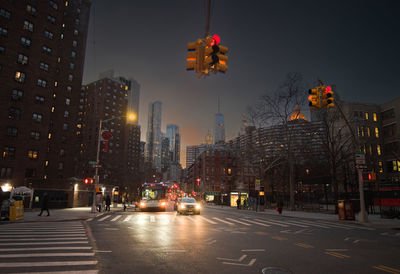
(188, 205)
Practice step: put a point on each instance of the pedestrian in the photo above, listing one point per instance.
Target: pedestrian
(245, 205)
(238, 203)
(280, 206)
(45, 201)
(99, 201)
(108, 203)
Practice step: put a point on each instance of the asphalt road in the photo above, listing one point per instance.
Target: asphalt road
(226, 241)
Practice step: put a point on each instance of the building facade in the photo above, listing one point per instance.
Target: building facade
(174, 142)
(154, 136)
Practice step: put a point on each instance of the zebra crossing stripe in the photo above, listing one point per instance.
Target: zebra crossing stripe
(54, 254)
(226, 222)
(116, 218)
(310, 224)
(67, 272)
(233, 220)
(271, 222)
(350, 226)
(258, 223)
(46, 248)
(207, 220)
(47, 243)
(152, 219)
(191, 218)
(33, 264)
(44, 239)
(296, 224)
(105, 217)
(127, 218)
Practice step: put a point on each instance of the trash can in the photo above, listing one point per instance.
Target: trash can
(16, 211)
(346, 210)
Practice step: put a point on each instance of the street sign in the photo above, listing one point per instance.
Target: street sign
(96, 165)
(92, 162)
(257, 184)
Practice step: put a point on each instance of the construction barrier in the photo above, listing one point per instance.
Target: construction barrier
(17, 211)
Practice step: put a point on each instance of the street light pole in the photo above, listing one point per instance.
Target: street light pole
(96, 176)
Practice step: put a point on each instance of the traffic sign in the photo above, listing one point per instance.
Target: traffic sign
(257, 184)
(92, 162)
(96, 165)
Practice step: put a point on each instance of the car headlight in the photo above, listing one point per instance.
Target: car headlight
(182, 206)
(162, 203)
(197, 206)
(142, 204)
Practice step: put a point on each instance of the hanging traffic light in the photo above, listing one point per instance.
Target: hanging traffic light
(195, 56)
(314, 98)
(86, 181)
(330, 101)
(214, 55)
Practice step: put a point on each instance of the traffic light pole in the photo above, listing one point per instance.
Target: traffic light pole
(208, 18)
(96, 176)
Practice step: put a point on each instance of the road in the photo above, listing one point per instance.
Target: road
(217, 241)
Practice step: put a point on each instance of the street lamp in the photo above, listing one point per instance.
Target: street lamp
(131, 117)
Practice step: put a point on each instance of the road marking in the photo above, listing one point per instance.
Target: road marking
(252, 261)
(116, 218)
(257, 223)
(67, 272)
(191, 218)
(152, 219)
(338, 255)
(127, 218)
(291, 223)
(54, 254)
(387, 269)
(253, 250)
(351, 226)
(233, 220)
(272, 223)
(32, 264)
(310, 223)
(212, 242)
(46, 248)
(111, 228)
(207, 220)
(175, 251)
(23, 231)
(47, 243)
(44, 239)
(234, 260)
(356, 241)
(239, 232)
(105, 217)
(336, 225)
(22, 234)
(89, 220)
(279, 238)
(338, 249)
(215, 218)
(102, 251)
(304, 245)
(261, 233)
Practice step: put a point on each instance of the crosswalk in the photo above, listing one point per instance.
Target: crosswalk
(230, 221)
(46, 247)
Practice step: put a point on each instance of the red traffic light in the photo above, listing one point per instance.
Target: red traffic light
(86, 181)
(369, 176)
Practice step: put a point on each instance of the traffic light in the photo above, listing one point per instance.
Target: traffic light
(327, 97)
(372, 176)
(195, 56)
(214, 55)
(314, 98)
(86, 180)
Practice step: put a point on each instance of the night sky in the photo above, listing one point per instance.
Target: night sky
(353, 44)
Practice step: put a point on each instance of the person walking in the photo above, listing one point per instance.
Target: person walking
(45, 201)
(99, 201)
(238, 203)
(108, 203)
(280, 206)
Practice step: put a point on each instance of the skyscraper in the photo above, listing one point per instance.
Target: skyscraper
(174, 142)
(42, 50)
(154, 135)
(219, 130)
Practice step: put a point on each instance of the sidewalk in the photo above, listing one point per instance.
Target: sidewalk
(65, 214)
(375, 221)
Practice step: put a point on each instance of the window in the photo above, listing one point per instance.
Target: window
(66, 114)
(374, 117)
(65, 126)
(26, 42)
(37, 117)
(62, 152)
(46, 49)
(41, 83)
(31, 10)
(76, 32)
(51, 19)
(4, 13)
(69, 88)
(368, 132)
(12, 131)
(39, 99)
(376, 132)
(390, 130)
(378, 149)
(53, 5)
(19, 77)
(366, 116)
(380, 164)
(77, 22)
(73, 54)
(48, 34)
(44, 66)
(60, 165)
(3, 31)
(74, 44)
(70, 77)
(33, 154)
(28, 26)
(388, 114)
(14, 113)
(8, 152)
(35, 135)
(16, 95)
(2, 49)
(22, 59)
(6, 173)
(67, 101)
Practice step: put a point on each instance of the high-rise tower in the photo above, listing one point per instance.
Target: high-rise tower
(174, 142)
(154, 135)
(219, 130)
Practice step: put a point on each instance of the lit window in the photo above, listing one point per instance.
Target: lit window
(229, 171)
(66, 114)
(49, 34)
(67, 101)
(76, 32)
(366, 116)
(368, 132)
(70, 77)
(71, 65)
(46, 49)
(37, 117)
(378, 149)
(31, 10)
(28, 26)
(375, 117)
(33, 154)
(39, 99)
(55, 83)
(26, 42)
(362, 131)
(74, 44)
(73, 54)
(53, 109)
(376, 132)
(46, 163)
(66, 3)
(49, 136)
(380, 164)
(19, 77)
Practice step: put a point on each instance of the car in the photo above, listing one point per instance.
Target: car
(176, 204)
(188, 205)
(152, 205)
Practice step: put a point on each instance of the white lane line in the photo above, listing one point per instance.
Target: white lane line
(175, 251)
(310, 224)
(295, 224)
(89, 220)
(105, 217)
(233, 220)
(46, 248)
(229, 223)
(66, 272)
(271, 222)
(207, 220)
(252, 261)
(335, 225)
(42, 233)
(43, 239)
(54, 254)
(191, 218)
(351, 226)
(152, 219)
(234, 260)
(257, 223)
(39, 236)
(253, 250)
(43, 230)
(127, 218)
(212, 242)
(116, 218)
(336, 249)
(32, 264)
(47, 243)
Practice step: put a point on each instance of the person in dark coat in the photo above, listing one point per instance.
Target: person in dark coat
(238, 203)
(45, 201)
(280, 206)
(108, 203)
